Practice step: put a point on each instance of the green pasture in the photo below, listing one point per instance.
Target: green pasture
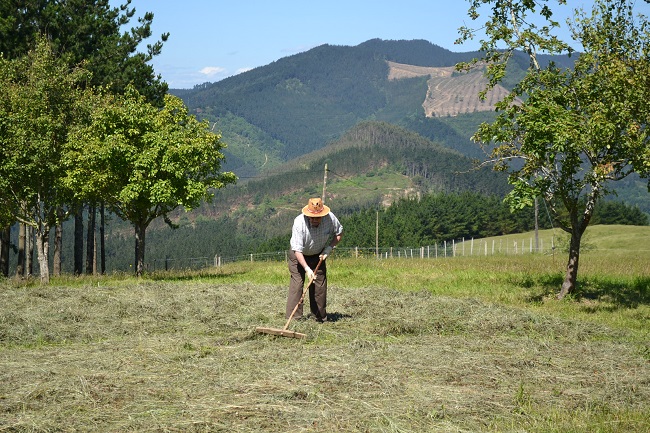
(457, 344)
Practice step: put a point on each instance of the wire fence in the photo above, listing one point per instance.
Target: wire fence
(454, 248)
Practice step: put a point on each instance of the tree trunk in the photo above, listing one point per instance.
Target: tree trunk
(43, 249)
(94, 255)
(58, 244)
(101, 238)
(571, 275)
(90, 240)
(140, 230)
(78, 241)
(29, 251)
(5, 241)
(579, 223)
(20, 267)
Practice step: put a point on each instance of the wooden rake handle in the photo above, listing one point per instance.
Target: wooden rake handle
(311, 280)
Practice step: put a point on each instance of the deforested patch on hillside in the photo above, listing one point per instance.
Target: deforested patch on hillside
(458, 94)
(398, 71)
(450, 92)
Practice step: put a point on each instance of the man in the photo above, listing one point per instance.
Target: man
(314, 235)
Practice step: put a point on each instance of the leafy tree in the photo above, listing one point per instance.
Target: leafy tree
(576, 129)
(40, 98)
(89, 31)
(145, 162)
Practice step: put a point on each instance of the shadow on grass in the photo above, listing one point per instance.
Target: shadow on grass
(623, 294)
(193, 275)
(628, 293)
(335, 317)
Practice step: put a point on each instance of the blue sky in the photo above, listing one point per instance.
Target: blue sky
(214, 39)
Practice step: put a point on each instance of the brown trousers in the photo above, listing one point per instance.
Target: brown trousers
(317, 290)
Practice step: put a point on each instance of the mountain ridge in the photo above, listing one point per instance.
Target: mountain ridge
(300, 103)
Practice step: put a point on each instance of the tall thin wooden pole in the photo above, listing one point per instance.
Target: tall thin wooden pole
(377, 236)
(324, 183)
(536, 225)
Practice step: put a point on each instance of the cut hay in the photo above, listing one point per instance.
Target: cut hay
(185, 356)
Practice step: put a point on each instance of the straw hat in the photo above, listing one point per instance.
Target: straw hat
(315, 208)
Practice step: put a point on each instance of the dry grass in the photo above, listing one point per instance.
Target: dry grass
(181, 355)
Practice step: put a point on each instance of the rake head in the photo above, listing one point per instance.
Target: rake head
(281, 332)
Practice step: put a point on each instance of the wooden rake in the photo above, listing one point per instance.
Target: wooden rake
(285, 332)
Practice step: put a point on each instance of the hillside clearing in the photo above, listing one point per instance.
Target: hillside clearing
(450, 93)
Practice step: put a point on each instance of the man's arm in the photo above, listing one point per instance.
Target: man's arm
(328, 249)
(336, 240)
(301, 259)
(309, 273)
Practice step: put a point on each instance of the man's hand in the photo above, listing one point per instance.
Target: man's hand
(309, 274)
(326, 252)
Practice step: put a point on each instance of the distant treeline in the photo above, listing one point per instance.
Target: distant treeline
(409, 222)
(433, 218)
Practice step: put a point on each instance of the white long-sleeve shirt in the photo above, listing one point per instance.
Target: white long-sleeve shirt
(311, 240)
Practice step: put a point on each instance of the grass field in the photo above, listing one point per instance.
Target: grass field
(464, 344)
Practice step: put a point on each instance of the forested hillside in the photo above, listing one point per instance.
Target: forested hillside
(302, 103)
(373, 165)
